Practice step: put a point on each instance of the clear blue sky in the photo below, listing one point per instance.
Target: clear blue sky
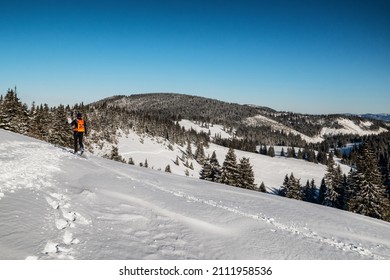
(303, 56)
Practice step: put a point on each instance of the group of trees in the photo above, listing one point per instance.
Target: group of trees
(361, 191)
(232, 172)
(41, 122)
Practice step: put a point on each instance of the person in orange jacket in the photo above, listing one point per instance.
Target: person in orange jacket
(79, 129)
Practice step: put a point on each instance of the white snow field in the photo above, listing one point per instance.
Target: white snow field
(55, 205)
(269, 170)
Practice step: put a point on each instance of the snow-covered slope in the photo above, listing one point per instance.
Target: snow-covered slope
(156, 151)
(347, 127)
(55, 205)
(260, 120)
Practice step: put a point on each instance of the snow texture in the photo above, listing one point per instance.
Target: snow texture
(56, 205)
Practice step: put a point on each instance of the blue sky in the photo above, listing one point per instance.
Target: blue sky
(302, 56)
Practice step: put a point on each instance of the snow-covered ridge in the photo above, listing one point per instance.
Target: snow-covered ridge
(350, 127)
(100, 209)
(347, 127)
(215, 130)
(260, 120)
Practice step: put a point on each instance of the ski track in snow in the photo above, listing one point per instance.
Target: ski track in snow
(23, 168)
(304, 231)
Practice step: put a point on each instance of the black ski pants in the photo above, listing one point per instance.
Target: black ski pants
(78, 140)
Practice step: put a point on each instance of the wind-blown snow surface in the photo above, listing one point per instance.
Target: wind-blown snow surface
(55, 205)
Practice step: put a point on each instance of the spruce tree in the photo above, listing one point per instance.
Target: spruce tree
(262, 188)
(215, 168)
(334, 189)
(285, 186)
(309, 191)
(229, 174)
(368, 194)
(199, 153)
(322, 192)
(13, 115)
(189, 151)
(271, 152)
(282, 154)
(246, 176)
(294, 188)
(206, 171)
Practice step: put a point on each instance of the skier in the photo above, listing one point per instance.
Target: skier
(79, 128)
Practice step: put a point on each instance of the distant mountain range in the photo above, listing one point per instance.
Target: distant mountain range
(380, 117)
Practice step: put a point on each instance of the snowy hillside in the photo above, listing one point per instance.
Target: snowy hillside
(55, 205)
(156, 151)
(346, 127)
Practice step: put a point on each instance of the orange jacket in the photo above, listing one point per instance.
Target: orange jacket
(79, 125)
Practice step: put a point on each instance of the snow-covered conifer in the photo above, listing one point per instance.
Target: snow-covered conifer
(229, 174)
(368, 194)
(246, 178)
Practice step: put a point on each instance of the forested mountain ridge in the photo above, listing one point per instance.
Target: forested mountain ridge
(158, 113)
(254, 123)
(177, 106)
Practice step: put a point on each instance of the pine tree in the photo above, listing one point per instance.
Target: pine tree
(271, 152)
(368, 194)
(115, 154)
(294, 188)
(340, 188)
(308, 191)
(229, 174)
(211, 170)
(282, 154)
(262, 188)
(300, 154)
(321, 157)
(199, 153)
(285, 186)
(215, 168)
(189, 151)
(334, 189)
(206, 171)
(322, 192)
(246, 178)
(59, 132)
(168, 169)
(13, 114)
